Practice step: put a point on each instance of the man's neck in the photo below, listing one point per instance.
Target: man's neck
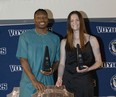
(41, 31)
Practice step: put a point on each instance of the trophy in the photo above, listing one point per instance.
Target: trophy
(80, 58)
(46, 62)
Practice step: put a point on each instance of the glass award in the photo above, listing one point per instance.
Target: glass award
(14, 93)
(46, 62)
(53, 91)
(80, 58)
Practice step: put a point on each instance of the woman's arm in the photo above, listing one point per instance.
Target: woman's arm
(96, 52)
(62, 63)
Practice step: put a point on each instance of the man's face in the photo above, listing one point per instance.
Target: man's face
(41, 20)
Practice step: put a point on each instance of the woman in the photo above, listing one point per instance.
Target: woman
(80, 82)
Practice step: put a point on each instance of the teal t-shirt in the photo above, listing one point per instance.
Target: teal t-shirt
(31, 46)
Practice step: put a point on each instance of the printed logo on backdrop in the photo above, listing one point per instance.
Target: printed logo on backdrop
(16, 32)
(15, 68)
(113, 82)
(109, 65)
(3, 86)
(112, 47)
(103, 29)
(3, 51)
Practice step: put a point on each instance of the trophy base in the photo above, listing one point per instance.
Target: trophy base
(46, 70)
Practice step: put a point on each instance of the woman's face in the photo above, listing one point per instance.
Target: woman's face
(74, 22)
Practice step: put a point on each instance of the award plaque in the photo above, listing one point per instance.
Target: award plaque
(14, 93)
(53, 91)
(46, 62)
(79, 58)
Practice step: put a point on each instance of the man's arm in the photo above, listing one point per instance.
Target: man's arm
(27, 70)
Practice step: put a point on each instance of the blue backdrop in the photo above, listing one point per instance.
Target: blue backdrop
(10, 68)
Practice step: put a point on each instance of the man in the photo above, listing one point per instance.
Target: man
(30, 51)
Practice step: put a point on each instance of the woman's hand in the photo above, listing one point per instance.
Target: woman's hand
(59, 82)
(82, 70)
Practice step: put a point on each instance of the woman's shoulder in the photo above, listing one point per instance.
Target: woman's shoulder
(63, 41)
(90, 37)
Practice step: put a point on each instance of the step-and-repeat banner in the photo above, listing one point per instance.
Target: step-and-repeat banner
(10, 67)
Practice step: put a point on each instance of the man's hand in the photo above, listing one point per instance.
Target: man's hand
(38, 85)
(47, 72)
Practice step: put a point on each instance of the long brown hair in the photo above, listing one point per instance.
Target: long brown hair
(82, 30)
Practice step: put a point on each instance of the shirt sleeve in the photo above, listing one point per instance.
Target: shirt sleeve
(22, 48)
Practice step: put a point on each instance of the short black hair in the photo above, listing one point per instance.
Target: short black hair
(41, 10)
